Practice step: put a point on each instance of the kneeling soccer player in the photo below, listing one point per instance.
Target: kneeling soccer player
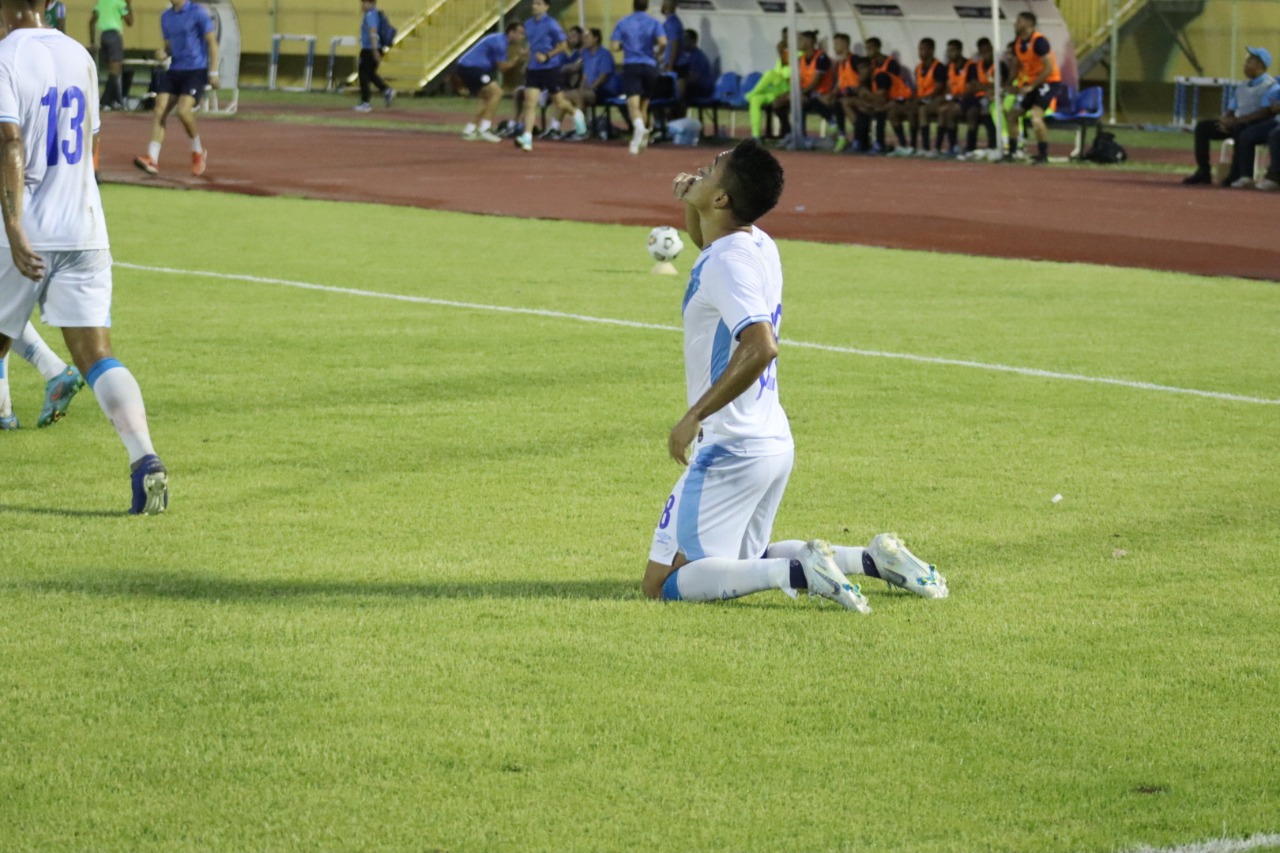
(712, 539)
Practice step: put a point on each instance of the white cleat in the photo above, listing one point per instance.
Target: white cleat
(899, 567)
(824, 577)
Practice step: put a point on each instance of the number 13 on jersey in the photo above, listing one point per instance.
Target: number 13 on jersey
(55, 149)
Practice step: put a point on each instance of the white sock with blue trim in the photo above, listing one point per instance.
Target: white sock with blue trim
(32, 347)
(717, 578)
(848, 559)
(6, 405)
(121, 401)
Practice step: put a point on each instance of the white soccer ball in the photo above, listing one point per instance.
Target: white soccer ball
(665, 243)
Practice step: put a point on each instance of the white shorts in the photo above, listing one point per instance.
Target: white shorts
(76, 290)
(722, 506)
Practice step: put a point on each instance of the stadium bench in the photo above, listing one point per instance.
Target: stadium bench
(1077, 112)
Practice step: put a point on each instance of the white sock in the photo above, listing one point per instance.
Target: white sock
(6, 405)
(848, 559)
(153, 151)
(470, 128)
(716, 578)
(32, 347)
(196, 147)
(485, 124)
(579, 116)
(638, 124)
(121, 400)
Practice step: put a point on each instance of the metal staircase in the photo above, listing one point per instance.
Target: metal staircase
(427, 43)
(1090, 24)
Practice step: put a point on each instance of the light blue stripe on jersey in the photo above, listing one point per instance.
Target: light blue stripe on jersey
(695, 281)
(720, 352)
(690, 544)
(10, 120)
(759, 318)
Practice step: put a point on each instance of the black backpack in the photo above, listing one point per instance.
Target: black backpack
(1105, 149)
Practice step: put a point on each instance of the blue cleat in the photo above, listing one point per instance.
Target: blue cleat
(8, 422)
(150, 486)
(58, 392)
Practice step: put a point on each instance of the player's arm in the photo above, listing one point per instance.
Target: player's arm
(675, 54)
(757, 348)
(13, 160)
(211, 39)
(659, 46)
(692, 219)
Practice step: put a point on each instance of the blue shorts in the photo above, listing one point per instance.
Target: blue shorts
(639, 79)
(474, 79)
(190, 83)
(548, 80)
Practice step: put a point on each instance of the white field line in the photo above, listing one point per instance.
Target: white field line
(1217, 845)
(585, 318)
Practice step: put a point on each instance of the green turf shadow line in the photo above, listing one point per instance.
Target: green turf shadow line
(67, 513)
(186, 587)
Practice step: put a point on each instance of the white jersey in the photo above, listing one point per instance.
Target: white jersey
(736, 281)
(49, 88)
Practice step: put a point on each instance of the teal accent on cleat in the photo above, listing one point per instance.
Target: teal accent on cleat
(824, 578)
(8, 422)
(899, 567)
(58, 392)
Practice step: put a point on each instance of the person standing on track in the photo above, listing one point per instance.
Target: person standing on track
(371, 50)
(107, 23)
(1038, 70)
(191, 45)
(547, 41)
(640, 38)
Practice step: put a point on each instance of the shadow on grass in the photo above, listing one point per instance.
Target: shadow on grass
(68, 513)
(198, 588)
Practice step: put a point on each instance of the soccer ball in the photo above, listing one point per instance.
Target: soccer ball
(665, 243)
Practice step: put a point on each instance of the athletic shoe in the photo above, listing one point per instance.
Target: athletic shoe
(904, 151)
(824, 577)
(639, 140)
(1268, 185)
(550, 134)
(1198, 177)
(389, 96)
(1242, 184)
(841, 144)
(471, 135)
(199, 160)
(1040, 159)
(580, 125)
(8, 422)
(363, 107)
(888, 558)
(58, 392)
(150, 486)
(575, 137)
(147, 165)
(525, 142)
(488, 136)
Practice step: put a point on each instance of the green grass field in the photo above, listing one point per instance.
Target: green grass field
(395, 603)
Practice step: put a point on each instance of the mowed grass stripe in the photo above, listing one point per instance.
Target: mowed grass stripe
(635, 324)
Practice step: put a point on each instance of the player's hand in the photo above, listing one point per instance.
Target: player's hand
(25, 258)
(215, 81)
(160, 55)
(682, 183)
(682, 436)
(540, 56)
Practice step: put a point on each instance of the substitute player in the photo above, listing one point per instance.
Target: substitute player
(191, 42)
(547, 41)
(712, 538)
(1038, 69)
(640, 38)
(478, 68)
(54, 229)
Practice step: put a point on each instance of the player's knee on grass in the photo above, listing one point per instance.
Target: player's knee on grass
(656, 574)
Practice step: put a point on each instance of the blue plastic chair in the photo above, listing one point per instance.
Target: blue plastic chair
(1088, 107)
(727, 87)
